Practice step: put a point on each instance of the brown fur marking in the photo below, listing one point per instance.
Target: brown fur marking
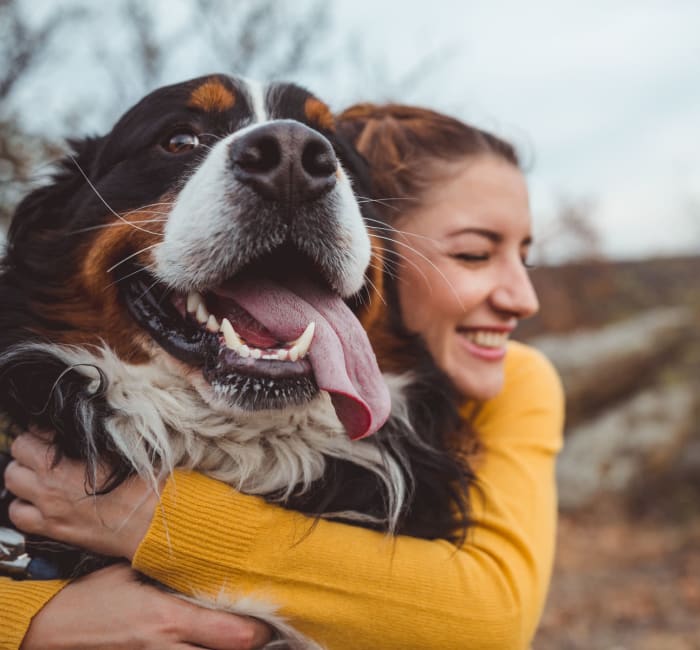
(212, 96)
(91, 304)
(318, 113)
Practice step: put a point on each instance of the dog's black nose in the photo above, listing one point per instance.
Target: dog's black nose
(284, 161)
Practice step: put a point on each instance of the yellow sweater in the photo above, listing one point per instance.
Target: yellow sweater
(348, 587)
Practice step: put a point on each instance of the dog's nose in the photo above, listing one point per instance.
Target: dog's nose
(284, 161)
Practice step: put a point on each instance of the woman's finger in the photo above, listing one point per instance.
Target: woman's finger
(223, 631)
(26, 516)
(32, 451)
(21, 481)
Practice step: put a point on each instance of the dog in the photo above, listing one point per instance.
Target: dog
(189, 291)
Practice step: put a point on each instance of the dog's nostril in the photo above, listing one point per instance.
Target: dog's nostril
(318, 159)
(261, 155)
(284, 161)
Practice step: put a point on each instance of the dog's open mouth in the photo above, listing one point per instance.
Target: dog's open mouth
(270, 338)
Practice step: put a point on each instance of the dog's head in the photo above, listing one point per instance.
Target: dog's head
(216, 226)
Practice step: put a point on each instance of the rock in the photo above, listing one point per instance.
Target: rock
(612, 452)
(603, 366)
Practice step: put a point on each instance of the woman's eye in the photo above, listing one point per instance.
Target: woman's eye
(472, 257)
(181, 142)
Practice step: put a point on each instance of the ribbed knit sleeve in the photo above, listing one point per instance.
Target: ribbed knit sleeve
(19, 602)
(347, 587)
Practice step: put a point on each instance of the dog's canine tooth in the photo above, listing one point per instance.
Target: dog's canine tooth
(232, 340)
(213, 324)
(301, 345)
(293, 353)
(202, 314)
(194, 299)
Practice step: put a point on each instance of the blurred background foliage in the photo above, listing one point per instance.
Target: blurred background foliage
(623, 334)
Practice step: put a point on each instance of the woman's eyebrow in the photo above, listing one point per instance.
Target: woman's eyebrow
(491, 235)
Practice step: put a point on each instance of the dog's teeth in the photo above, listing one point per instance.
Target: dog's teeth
(301, 346)
(202, 314)
(293, 353)
(232, 340)
(244, 351)
(194, 299)
(255, 353)
(282, 355)
(213, 324)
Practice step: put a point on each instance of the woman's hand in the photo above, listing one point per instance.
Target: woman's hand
(111, 610)
(55, 502)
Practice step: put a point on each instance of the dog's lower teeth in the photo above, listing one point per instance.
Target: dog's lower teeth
(233, 341)
(213, 324)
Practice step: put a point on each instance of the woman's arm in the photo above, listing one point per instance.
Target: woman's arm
(348, 587)
(112, 609)
(19, 603)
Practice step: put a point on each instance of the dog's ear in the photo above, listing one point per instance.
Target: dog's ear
(47, 207)
(354, 164)
(368, 302)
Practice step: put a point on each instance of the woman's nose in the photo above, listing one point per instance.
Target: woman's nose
(514, 292)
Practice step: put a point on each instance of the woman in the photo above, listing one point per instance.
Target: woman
(459, 207)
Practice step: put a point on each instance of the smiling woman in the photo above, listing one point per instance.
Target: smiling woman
(460, 215)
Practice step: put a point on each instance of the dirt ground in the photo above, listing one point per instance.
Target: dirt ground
(623, 582)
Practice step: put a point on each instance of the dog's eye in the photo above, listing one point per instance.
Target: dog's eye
(181, 142)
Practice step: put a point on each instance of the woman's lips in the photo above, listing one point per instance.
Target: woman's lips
(485, 344)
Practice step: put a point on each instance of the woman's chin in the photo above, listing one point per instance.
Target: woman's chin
(478, 381)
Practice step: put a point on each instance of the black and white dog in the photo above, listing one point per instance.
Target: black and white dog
(188, 292)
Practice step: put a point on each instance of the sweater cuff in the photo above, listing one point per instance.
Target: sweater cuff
(191, 531)
(20, 601)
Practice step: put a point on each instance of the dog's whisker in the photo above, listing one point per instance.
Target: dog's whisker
(128, 257)
(114, 225)
(389, 228)
(385, 268)
(148, 289)
(147, 207)
(129, 275)
(376, 290)
(385, 201)
(99, 196)
(166, 294)
(430, 263)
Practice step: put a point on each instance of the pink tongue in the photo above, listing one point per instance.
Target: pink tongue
(341, 357)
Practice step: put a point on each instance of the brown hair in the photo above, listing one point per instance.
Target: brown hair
(405, 147)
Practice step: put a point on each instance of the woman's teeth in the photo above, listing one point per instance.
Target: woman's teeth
(292, 351)
(487, 339)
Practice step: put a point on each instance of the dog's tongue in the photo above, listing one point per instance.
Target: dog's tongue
(341, 356)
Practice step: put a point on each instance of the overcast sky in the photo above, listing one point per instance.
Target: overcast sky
(602, 98)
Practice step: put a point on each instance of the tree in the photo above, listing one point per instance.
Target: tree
(23, 46)
(572, 236)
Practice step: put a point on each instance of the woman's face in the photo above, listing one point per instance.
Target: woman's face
(462, 281)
